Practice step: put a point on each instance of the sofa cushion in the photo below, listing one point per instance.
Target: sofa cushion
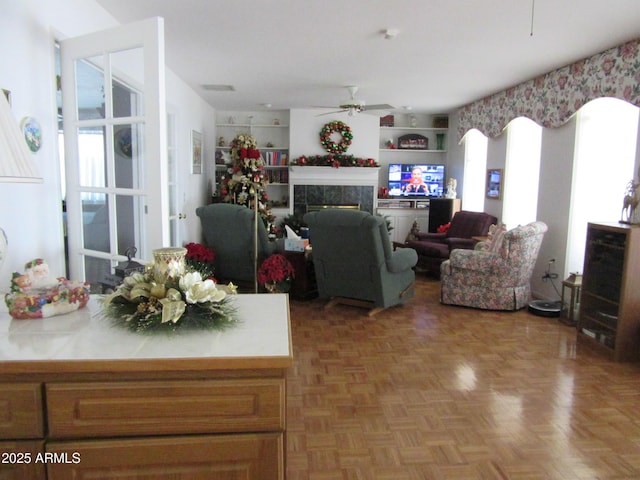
(496, 236)
(466, 224)
(430, 249)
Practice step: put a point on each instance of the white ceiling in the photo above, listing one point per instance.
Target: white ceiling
(301, 53)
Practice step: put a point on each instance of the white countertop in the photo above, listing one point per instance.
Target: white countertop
(263, 330)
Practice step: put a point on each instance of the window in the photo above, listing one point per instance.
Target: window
(475, 164)
(522, 172)
(606, 136)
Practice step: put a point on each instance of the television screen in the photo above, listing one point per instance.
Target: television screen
(416, 180)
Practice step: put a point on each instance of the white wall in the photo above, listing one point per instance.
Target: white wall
(31, 214)
(191, 113)
(554, 200)
(305, 126)
(496, 158)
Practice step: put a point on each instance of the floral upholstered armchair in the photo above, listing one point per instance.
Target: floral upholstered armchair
(493, 277)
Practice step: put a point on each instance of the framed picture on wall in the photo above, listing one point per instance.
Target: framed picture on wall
(196, 152)
(494, 183)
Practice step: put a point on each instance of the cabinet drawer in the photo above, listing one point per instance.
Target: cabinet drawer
(165, 408)
(21, 411)
(19, 460)
(247, 456)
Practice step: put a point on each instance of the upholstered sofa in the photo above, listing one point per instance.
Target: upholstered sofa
(434, 248)
(229, 230)
(493, 277)
(354, 262)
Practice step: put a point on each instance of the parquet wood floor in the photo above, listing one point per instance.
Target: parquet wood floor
(427, 391)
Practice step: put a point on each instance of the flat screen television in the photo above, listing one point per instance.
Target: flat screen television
(416, 180)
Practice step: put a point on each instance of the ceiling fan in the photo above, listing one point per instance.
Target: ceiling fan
(353, 106)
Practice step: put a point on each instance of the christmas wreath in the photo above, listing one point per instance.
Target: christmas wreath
(329, 129)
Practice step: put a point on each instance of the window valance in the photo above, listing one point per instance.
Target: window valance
(551, 99)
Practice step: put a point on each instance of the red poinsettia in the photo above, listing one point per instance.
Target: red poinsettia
(200, 258)
(275, 268)
(249, 153)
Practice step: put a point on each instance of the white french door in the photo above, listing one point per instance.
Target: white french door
(115, 119)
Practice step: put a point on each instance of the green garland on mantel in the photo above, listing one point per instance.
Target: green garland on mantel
(333, 160)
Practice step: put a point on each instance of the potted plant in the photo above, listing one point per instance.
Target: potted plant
(276, 273)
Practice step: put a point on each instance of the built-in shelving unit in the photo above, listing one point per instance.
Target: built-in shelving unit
(609, 319)
(434, 128)
(271, 131)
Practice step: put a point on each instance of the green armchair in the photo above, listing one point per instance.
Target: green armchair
(229, 230)
(354, 261)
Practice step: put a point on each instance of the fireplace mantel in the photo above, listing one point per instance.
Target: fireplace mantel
(333, 176)
(322, 179)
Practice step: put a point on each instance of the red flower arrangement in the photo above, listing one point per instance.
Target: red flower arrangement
(275, 268)
(200, 258)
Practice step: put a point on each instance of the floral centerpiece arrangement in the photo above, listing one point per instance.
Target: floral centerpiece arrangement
(246, 176)
(169, 297)
(334, 160)
(276, 273)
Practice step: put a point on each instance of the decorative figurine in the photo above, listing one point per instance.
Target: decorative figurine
(630, 203)
(37, 294)
(451, 188)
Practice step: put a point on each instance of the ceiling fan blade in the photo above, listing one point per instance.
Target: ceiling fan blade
(331, 113)
(381, 106)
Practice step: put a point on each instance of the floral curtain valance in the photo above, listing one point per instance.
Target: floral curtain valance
(551, 99)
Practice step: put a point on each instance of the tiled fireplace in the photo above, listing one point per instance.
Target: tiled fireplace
(345, 186)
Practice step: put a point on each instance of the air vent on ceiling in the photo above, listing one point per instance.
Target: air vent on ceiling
(214, 87)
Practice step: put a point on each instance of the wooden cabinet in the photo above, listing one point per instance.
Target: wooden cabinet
(21, 431)
(609, 319)
(161, 408)
(116, 405)
(19, 460)
(247, 456)
(21, 411)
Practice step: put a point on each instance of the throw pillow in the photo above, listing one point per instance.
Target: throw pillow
(443, 228)
(495, 237)
(486, 245)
